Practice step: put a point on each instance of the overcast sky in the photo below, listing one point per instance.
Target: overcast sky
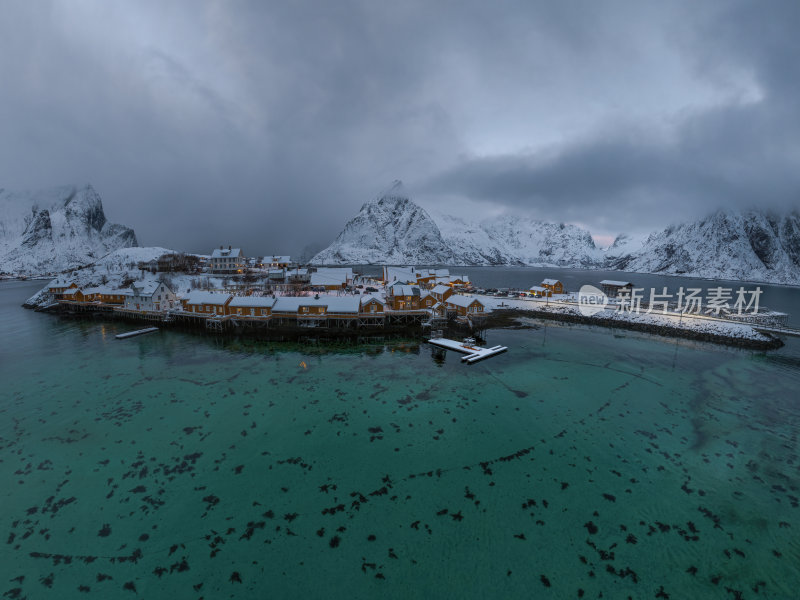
(268, 124)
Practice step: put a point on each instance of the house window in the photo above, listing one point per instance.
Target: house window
(372, 308)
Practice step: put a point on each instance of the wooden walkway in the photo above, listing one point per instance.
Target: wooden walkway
(122, 336)
(473, 353)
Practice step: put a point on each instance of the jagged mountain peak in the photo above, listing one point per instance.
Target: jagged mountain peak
(750, 245)
(391, 229)
(753, 244)
(55, 228)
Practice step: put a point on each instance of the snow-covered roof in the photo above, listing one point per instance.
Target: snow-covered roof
(400, 274)
(226, 253)
(147, 288)
(405, 290)
(615, 283)
(337, 271)
(463, 301)
(72, 291)
(97, 290)
(252, 301)
(454, 279)
(326, 278)
(550, 281)
(58, 283)
(198, 297)
(537, 288)
(366, 299)
(441, 289)
(334, 304)
(278, 259)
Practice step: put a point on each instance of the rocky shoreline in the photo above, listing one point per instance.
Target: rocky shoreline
(509, 317)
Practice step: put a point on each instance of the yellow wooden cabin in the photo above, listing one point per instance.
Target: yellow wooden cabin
(317, 307)
(442, 292)
(58, 287)
(113, 297)
(73, 294)
(465, 305)
(250, 306)
(371, 304)
(404, 297)
(554, 285)
(206, 303)
(538, 291)
(427, 300)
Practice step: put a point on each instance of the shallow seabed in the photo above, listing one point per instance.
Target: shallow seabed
(581, 462)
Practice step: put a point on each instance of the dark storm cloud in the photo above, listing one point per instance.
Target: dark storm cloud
(627, 175)
(268, 124)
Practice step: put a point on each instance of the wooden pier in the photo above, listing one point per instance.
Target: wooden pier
(122, 336)
(473, 353)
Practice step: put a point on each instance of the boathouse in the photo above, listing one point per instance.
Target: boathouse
(251, 306)
(206, 303)
(465, 305)
(318, 311)
(57, 288)
(73, 294)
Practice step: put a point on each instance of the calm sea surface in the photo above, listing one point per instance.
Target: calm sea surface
(583, 462)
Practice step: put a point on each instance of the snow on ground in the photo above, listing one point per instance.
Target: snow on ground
(124, 257)
(673, 320)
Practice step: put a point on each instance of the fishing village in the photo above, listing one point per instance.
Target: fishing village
(275, 297)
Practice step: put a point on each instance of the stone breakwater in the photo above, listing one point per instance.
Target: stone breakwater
(764, 342)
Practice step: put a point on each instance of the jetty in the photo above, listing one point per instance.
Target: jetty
(473, 353)
(122, 336)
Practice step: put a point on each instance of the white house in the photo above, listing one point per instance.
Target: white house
(227, 261)
(150, 295)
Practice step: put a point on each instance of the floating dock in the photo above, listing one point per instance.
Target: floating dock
(473, 353)
(122, 336)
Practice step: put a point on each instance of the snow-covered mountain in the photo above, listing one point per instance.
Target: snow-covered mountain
(392, 229)
(752, 245)
(388, 230)
(510, 240)
(50, 230)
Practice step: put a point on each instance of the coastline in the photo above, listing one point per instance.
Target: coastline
(502, 319)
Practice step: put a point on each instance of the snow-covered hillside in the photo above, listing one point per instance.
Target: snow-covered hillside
(50, 230)
(510, 240)
(748, 246)
(392, 229)
(388, 230)
(752, 245)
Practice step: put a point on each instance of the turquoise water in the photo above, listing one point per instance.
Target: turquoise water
(583, 461)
